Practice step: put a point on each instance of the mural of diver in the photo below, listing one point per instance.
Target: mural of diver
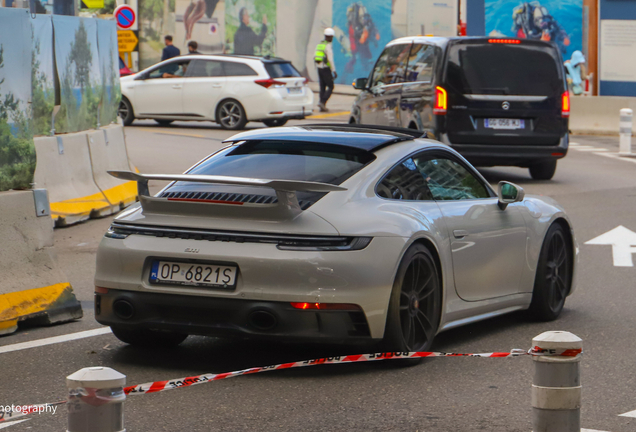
(362, 30)
(533, 21)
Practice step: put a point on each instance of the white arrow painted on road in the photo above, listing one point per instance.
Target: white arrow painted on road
(623, 242)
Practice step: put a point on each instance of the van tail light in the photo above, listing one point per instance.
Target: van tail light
(441, 101)
(565, 104)
(267, 83)
(504, 41)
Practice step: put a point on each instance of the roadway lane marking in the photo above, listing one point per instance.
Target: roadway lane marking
(591, 430)
(175, 133)
(593, 149)
(622, 241)
(322, 116)
(628, 414)
(54, 340)
(14, 422)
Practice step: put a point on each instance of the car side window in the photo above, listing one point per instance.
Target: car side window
(421, 63)
(448, 179)
(404, 182)
(391, 65)
(205, 68)
(238, 69)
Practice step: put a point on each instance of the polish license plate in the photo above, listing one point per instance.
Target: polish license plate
(189, 274)
(504, 123)
(294, 90)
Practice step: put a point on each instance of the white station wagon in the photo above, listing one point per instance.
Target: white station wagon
(227, 89)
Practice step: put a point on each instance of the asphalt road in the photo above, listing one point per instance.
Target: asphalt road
(598, 191)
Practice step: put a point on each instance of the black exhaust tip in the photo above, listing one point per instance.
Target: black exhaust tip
(123, 309)
(262, 320)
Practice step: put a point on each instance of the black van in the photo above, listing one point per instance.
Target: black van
(497, 101)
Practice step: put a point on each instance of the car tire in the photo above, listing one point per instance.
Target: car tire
(543, 170)
(126, 112)
(415, 305)
(553, 278)
(230, 114)
(275, 122)
(164, 122)
(148, 338)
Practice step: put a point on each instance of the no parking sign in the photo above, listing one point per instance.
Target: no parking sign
(125, 16)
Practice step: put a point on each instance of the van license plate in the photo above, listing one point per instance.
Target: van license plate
(504, 123)
(193, 274)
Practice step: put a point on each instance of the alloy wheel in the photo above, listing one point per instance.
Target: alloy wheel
(557, 271)
(230, 114)
(123, 110)
(418, 303)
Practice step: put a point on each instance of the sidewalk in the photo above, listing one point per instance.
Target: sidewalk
(339, 105)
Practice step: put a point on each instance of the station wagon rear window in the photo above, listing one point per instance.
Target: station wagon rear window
(281, 70)
(504, 69)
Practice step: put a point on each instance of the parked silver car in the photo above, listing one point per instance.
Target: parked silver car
(330, 233)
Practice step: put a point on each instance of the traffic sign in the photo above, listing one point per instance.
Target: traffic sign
(125, 16)
(126, 40)
(92, 4)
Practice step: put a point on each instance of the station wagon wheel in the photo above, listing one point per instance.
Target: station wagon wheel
(126, 112)
(415, 305)
(553, 277)
(231, 115)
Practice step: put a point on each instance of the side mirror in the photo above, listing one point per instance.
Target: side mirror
(509, 193)
(360, 83)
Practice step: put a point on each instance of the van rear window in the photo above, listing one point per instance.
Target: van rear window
(503, 69)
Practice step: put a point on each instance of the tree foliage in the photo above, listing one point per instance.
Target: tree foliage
(17, 151)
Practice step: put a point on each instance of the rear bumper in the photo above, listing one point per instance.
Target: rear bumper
(509, 155)
(299, 115)
(231, 317)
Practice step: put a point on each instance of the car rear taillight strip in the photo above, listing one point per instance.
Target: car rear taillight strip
(282, 242)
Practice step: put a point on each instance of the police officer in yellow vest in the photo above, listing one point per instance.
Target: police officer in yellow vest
(326, 68)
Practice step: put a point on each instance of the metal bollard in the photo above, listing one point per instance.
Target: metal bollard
(96, 400)
(625, 132)
(556, 386)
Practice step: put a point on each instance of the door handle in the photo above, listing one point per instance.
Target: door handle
(460, 233)
(217, 86)
(178, 86)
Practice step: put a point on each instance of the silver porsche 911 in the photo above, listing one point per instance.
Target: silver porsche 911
(330, 233)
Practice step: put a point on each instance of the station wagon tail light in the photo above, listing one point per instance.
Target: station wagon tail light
(504, 41)
(267, 83)
(565, 104)
(441, 101)
(326, 306)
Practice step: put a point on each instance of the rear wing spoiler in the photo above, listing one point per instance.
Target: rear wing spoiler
(285, 189)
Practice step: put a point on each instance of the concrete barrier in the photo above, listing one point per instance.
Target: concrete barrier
(108, 152)
(64, 169)
(598, 115)
(32, 286)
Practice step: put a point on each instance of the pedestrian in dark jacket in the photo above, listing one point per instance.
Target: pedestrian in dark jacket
(170, 50)
(245, 39)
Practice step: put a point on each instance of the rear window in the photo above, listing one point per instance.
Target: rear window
(280, 160)
(281, 70)
(504, 69)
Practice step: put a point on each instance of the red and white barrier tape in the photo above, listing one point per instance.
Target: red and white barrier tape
(159, 386)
